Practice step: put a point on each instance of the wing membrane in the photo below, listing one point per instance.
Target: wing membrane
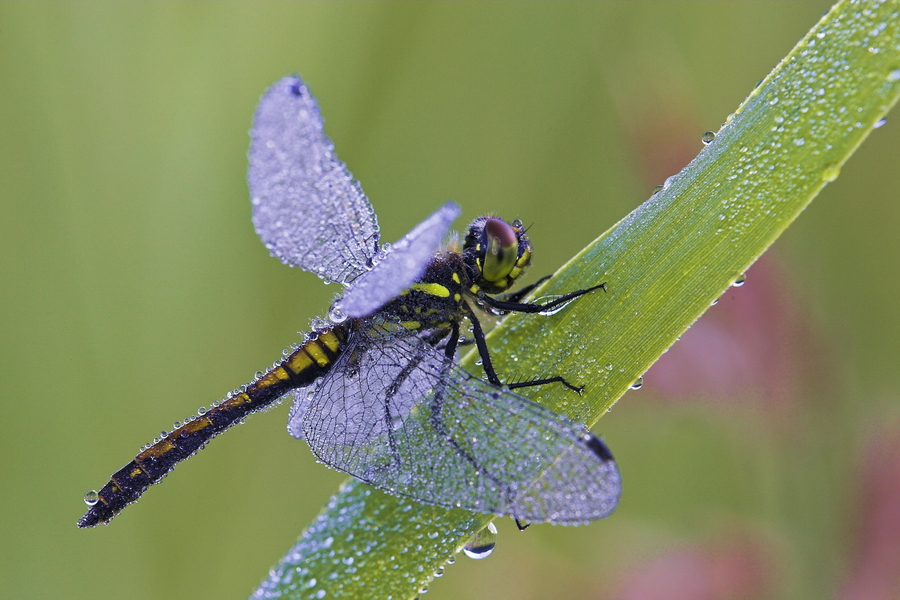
(401, 266)
(397, 414)
(307, 208)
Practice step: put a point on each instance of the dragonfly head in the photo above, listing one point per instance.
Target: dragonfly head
(496, 253)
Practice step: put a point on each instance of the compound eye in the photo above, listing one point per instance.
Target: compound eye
(501, 250)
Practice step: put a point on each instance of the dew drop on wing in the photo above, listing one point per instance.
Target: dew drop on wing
(91, 498)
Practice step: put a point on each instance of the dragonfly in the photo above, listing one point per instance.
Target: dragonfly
(376, 389)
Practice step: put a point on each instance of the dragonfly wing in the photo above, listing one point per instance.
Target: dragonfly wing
(307, 208)
(400, 267)
(399, 415)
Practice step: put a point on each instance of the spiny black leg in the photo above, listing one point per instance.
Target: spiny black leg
(488, 366)
(452, 341)
(518, 295)
(486, 363)
(522, 525)
(531, 307)
(555, 379)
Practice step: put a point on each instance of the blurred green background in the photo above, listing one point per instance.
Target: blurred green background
(762, 457)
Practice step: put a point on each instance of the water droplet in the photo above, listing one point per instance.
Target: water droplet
(483, 543)
(657, 189)
(638, 383)
(799, 142)
(708, 136)
(91, 498)
(335, 315)
(879, 122)
(439, 572)
(201, 411)
(163, 434)
(714, 302)
(740, 280)
(894, 75)
(176, 425)
(830, 173)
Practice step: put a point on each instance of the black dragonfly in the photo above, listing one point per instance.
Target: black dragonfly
(376, 389)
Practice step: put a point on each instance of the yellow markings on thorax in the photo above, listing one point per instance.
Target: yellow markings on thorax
(433, 289)
(456, 277)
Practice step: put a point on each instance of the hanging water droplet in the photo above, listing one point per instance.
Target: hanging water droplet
(657, 189)
(714, 302)
(91, 498)
(483, 543)
(163, 434)
(638, 383)
(708, 136)
(740, 280)
(201, 411)
(439, 572)
(879, 122)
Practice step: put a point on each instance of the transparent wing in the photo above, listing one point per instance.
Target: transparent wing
(396, 413)
(400, 267)
(307, 208)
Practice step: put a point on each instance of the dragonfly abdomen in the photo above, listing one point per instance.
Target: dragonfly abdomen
(304, 365)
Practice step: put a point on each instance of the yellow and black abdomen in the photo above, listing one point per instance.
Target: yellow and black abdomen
(308, 362)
